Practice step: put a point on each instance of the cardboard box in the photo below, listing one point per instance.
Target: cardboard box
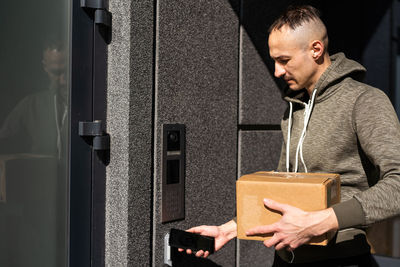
(307, 191)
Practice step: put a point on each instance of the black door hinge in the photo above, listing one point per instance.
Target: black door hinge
(94, 135)
(101, 16)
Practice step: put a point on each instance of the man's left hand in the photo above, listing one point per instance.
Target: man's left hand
(296, 226)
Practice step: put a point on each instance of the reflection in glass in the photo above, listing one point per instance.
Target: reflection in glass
(34, 126)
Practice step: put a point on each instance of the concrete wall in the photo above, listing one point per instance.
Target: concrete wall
(261, 108)
(130, 96)
(196, 85)
(185, 62)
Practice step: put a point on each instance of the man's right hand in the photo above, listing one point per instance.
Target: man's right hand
(222, 235)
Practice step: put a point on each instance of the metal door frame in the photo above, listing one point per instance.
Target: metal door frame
(87, 170)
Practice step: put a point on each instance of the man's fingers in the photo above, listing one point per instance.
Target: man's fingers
(262, 229)
(272, 241)
(202, 253)
(199, 253)
(196, 230)
(201, 230)
(274, 205)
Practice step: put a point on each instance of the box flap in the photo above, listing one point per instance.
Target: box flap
(289, 177)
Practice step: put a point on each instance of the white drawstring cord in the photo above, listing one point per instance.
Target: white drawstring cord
(307, 114)
(288, 136)
(292, 260)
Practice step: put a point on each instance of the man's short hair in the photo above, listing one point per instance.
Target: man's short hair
(295, 16)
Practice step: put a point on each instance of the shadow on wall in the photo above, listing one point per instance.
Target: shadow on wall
(351, 24)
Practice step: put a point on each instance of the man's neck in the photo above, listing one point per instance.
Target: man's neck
(324, 63)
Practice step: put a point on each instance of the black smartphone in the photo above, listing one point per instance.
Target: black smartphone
(182, 239)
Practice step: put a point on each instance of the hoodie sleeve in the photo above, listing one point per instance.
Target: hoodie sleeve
(378, 132)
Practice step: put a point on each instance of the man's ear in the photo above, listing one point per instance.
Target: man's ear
(317, 49)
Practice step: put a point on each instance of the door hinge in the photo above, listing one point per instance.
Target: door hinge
(94, 130)
(101, 17)
(94, 135)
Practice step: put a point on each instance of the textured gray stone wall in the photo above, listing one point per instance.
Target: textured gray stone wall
(258, 151)
(117, 183)
(129, 175)
(261, 106)
(196, 85)
(260, 98)
(140, 132)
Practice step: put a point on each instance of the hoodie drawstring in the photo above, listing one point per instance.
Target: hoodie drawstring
(288, 136)
(307, 114)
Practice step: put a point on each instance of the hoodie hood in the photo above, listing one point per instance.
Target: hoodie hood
(340, 68)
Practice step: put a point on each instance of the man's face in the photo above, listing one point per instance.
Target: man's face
(293, 60)
(55, 66)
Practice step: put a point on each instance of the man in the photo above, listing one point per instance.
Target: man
(33, 168)
(335, 124)
(41, 116)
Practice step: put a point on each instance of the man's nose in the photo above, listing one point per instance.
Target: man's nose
(279, 70)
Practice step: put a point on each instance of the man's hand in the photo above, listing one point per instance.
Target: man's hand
(296, 226)
(222, 235)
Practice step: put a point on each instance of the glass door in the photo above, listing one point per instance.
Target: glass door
(34, 132)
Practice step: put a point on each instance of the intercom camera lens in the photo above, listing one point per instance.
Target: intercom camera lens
(173, 137)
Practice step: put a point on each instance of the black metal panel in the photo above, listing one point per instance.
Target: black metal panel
(173, 173)
(101, 159)
(80, 152)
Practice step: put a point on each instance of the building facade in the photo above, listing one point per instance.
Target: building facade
(124, 119)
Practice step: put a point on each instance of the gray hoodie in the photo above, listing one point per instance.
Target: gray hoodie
(354, 131)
